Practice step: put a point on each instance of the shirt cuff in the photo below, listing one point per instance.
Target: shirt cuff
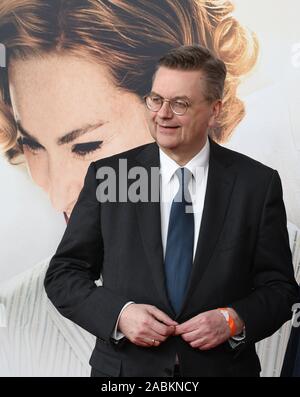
(117, 335)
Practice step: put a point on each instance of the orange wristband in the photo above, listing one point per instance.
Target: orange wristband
(229, 319)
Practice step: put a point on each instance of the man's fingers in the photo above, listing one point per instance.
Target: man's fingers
(184, 328)
(151, 335)
(161, 329)
(190, 325)
(198, 343)
(161, 316)
(141, 343)
(153, 342)
(161, 323)
(148, 342)
(191, 336)
(145, 324)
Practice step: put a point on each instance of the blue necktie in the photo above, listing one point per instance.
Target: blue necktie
(180, 242)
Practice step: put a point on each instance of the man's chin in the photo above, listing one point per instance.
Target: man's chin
(167, 140)
(167, 144)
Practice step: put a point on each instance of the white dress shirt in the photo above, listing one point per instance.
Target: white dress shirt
(198, 166)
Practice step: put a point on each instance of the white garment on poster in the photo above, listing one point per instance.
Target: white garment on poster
(37, 340)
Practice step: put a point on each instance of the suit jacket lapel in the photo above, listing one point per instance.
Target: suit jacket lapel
(219, 188)
(149, 220)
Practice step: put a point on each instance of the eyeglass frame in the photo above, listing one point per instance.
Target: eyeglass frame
(187, 102)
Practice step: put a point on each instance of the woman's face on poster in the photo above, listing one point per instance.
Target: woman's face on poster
(70, 113)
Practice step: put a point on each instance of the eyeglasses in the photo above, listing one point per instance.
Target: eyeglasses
(154, 103)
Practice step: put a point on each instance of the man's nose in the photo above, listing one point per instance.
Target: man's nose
(165, 111)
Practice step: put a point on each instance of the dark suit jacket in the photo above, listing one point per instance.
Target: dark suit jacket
(242, 260)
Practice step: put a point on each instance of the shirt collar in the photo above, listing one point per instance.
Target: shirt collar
(168, 166)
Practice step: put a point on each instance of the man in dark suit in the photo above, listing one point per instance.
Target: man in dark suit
(193, 279)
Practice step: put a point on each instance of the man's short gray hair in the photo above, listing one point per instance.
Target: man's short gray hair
(196, 57)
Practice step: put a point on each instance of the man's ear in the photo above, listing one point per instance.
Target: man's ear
(216, 108)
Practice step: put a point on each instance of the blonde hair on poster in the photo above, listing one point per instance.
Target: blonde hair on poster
(128, 38)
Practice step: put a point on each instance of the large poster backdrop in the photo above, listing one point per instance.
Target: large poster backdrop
(71, 84)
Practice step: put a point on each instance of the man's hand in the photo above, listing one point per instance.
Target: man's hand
(145, 325)
(208, 330)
